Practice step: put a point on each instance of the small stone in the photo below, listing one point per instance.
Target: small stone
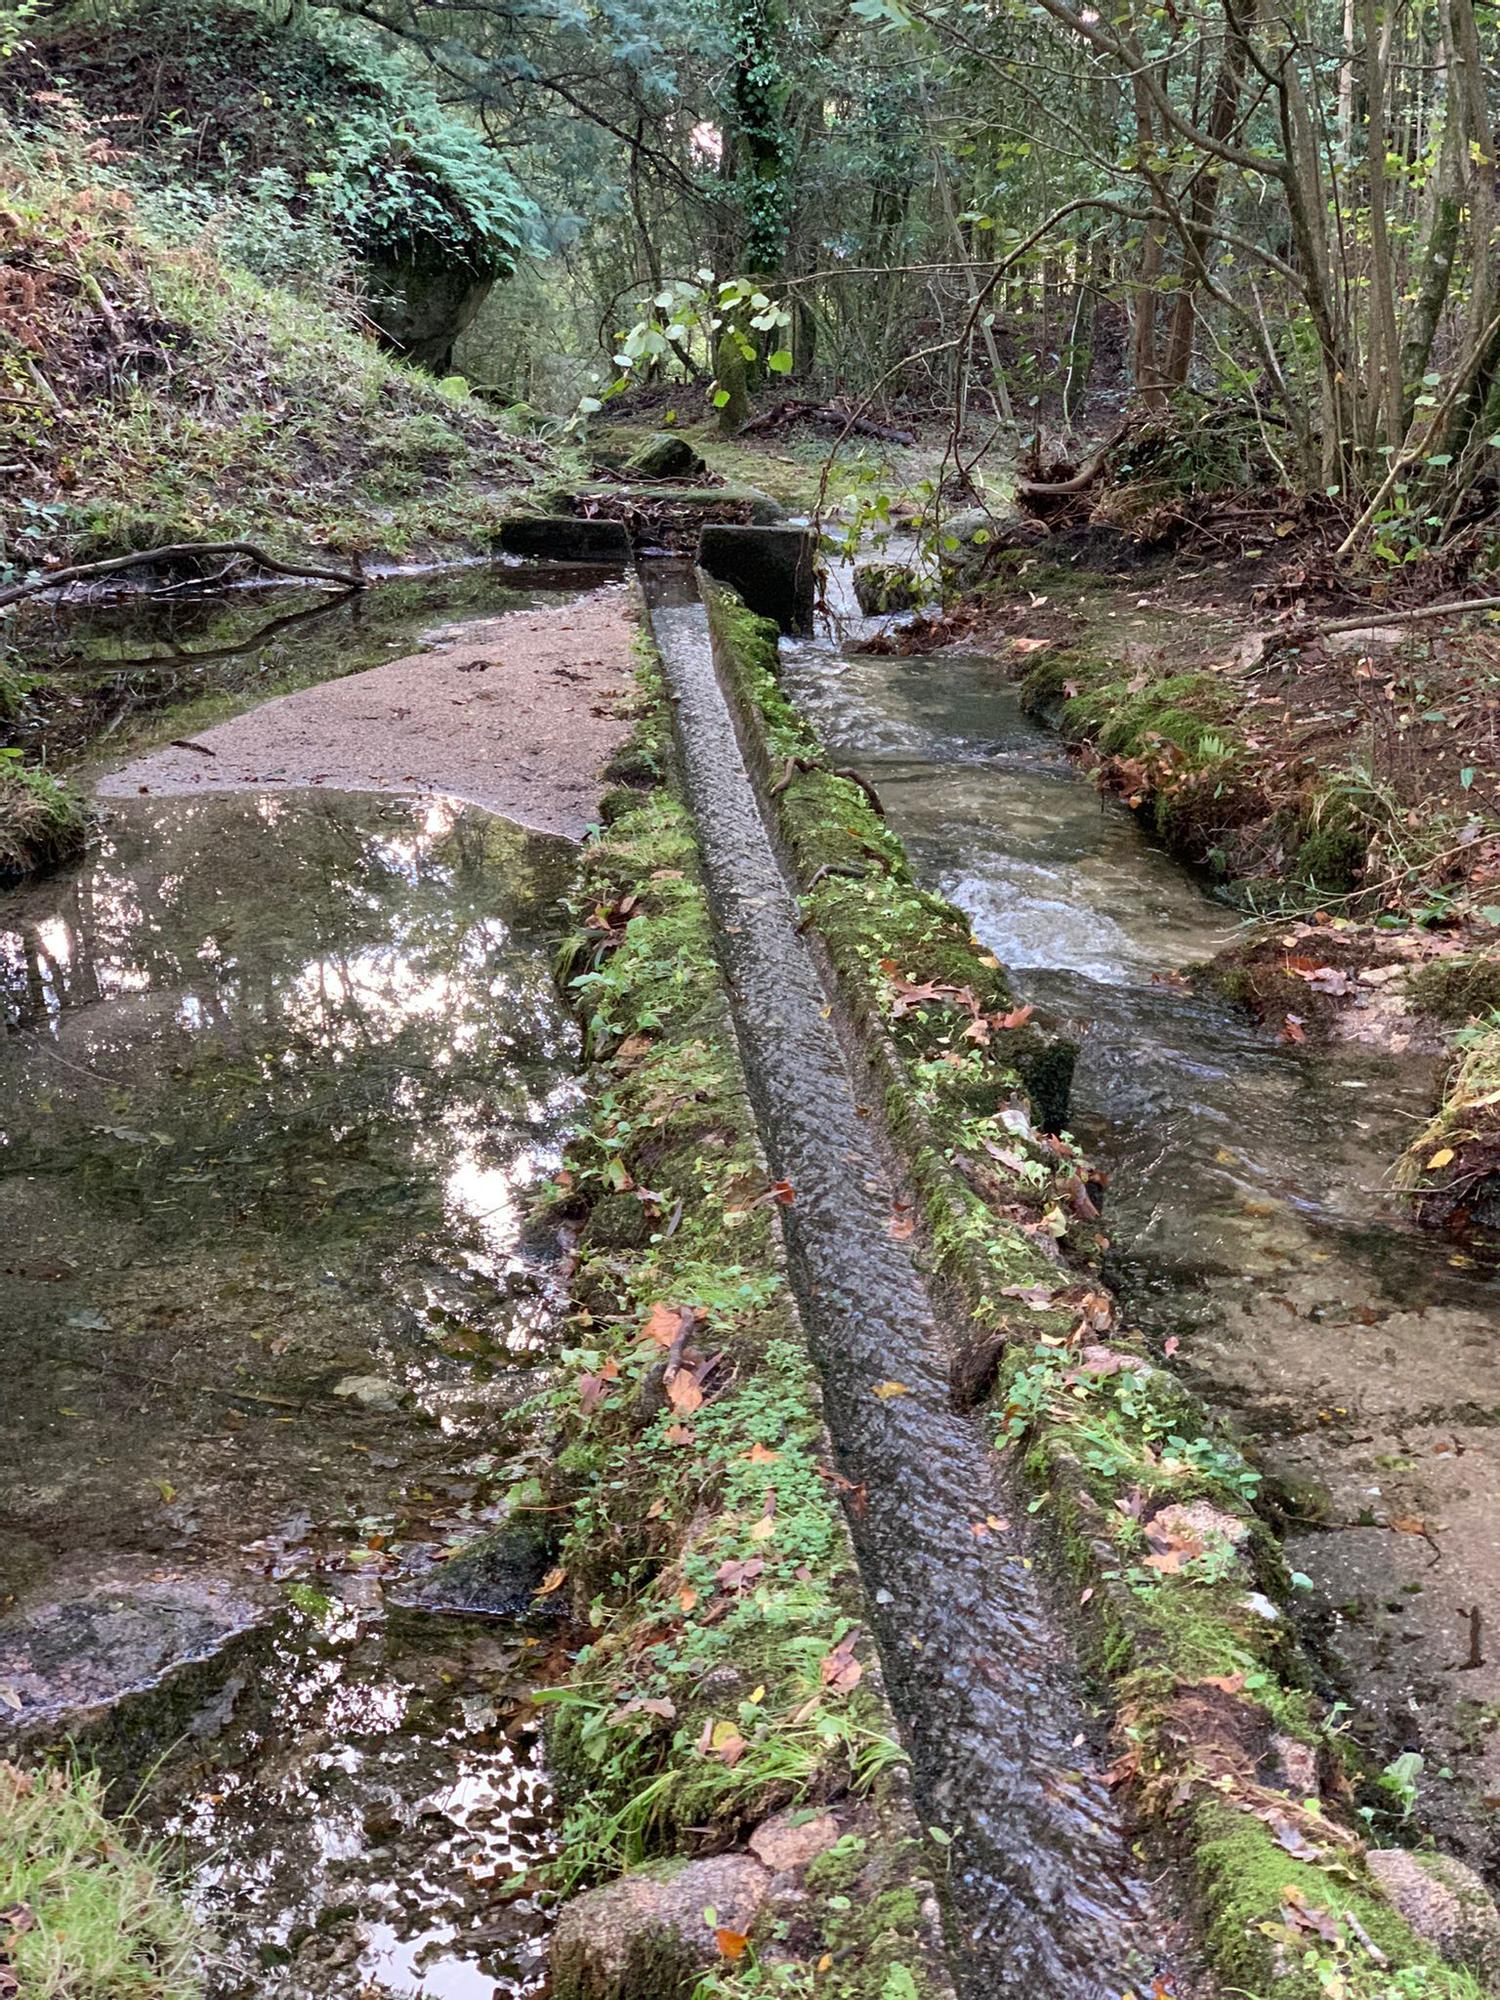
(1197, 1520)
(1261, 1605)
(789, 1840)
(645, 1936)
(1446, 1904)
(371, 1392)
(1298, 1764)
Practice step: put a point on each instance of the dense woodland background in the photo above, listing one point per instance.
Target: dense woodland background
(1271, 226)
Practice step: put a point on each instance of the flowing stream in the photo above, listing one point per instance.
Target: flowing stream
(1249, 1203)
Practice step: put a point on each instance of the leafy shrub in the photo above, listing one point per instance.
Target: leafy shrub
(305, 125)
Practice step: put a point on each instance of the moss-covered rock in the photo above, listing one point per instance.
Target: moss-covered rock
(648, 1936)
(43, 821)
(665, 455)
(1459, 989)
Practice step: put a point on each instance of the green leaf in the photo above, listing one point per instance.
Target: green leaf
(899, 1984)
(780, 363)
(1466, 776)
(721, 397)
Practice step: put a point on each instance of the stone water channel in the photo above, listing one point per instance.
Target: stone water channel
(1047, 1894)
(278, 1071)
(1250, 1203)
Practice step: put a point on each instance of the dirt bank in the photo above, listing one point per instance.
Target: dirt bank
(516, 714)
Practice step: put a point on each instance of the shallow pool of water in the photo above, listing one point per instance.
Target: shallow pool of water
(277, 1075)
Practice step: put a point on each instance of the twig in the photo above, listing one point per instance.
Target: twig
(795, 764)
(1422, 611)
(866, 787)
(178, 552)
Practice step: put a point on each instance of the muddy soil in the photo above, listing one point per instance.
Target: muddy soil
(516, 714)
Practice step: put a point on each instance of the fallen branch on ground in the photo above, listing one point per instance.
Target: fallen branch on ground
(1057, 489)
(57, 579)
(1410, 617)
(792, 411)
(796, 764)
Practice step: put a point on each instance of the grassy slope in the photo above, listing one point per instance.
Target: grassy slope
(152, 394)
(156, 393)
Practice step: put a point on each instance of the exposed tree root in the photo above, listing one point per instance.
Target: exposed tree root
(179, 552)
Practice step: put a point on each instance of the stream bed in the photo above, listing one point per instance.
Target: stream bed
(1249, 1202)
(277, 1074)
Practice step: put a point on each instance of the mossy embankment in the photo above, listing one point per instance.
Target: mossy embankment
(1181, 1589)
(726, 1675)
(1346, 790)
(156, 392)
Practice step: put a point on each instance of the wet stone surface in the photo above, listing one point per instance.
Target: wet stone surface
(372, 1813)
(277, 1073)
(1249, 1203)
(127, 675)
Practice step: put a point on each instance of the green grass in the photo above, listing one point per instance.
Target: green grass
(256, 412)
(84, 1912)
(42, 820)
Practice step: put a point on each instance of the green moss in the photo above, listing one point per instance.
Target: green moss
(667, 1180)
(1332, 850)
(1456, 990)
(1244, 1877)
(42, 820)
